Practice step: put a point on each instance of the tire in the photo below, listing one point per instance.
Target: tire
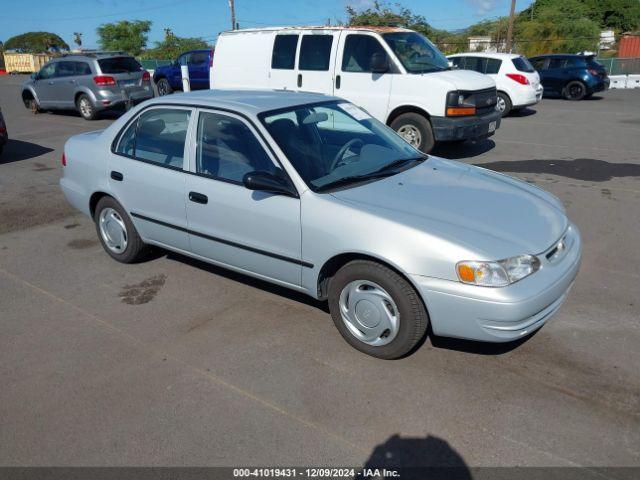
(85, 107)
(504, 104)
(415, 129)
(164, 87)
(135, 249)
(575, 91)
(373, 281)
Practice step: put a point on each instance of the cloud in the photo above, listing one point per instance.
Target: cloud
(483, 6)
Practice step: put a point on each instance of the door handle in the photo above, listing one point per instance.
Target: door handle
(338, 81)
(117, 176)
(299, 80)
(198, 198)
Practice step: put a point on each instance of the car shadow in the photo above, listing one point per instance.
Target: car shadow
(458, 150)
(523, 112)
(415, 458)
(245, 279)
(18, 150)
(475, 347)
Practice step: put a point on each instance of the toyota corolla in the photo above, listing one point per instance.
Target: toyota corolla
(310, 192)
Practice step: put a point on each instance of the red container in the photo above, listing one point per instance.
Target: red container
(629, 46)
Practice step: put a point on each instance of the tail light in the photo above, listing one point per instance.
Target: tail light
(104, 81)
(594, 72)
(211, 59)
(521, 79)
(63, 160)
(146, 76)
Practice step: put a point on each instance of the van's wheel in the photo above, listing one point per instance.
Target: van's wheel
(503, 104)
(575, 90)
(116, 232)
(85, 107)
(376, 310)
(415, 129)
(164, 87)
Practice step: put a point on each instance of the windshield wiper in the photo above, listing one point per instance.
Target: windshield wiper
(355, 179)
(399, 163)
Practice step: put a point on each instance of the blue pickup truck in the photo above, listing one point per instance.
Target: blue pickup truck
(169, 78)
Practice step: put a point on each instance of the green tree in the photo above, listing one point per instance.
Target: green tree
(619, 15)
(172, 46)
(36, 42)
(124, 35)
(381, 15)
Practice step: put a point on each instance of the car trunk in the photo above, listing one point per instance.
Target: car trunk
(126, 71)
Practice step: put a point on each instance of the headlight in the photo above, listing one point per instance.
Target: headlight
(497, 274)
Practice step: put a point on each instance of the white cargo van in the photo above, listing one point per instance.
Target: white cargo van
(396, 74)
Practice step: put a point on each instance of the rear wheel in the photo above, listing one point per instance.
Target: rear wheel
(116, 232)
(164, 87)
(376, 310)
(575, 90)
(503, 104)
(416, 130)
(85, 107)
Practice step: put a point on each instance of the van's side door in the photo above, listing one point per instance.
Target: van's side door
(316, 60)
(354, 79)
(253, 231)
(282, 75)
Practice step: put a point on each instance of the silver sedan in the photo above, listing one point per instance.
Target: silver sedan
(310, 192)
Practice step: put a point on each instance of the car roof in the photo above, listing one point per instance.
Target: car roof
(501, 56)
(362, 28)
(248, 102)
(92, 56)
(562, 55)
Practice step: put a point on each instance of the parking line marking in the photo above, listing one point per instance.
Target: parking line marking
(210, 376)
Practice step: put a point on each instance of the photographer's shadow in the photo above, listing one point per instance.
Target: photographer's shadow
(416, 458)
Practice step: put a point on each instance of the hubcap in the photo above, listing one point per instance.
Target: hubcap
(501, 104)
(575, 90)
(85, 107)
(369, 313)
(411, 135)
(113, 230)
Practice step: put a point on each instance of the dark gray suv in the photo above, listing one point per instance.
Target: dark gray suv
(88, 83)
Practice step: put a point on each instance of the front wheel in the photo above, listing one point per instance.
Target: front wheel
(164, 87)
(376, 310)
(575, 90)
(116, 232)
(416, 130)
(86, 108)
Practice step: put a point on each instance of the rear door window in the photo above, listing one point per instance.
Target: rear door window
(82, 68)
(119, 65)
(284, 52)
(477, 64)
(492, 65)
(522, 65)
(576, 62)
(557, 63)
(157, 136)
(65, 69)
(315, 52)
(358, 50)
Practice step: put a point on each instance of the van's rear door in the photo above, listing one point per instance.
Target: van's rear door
(316, 61)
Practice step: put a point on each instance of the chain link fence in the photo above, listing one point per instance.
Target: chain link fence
(621, 66)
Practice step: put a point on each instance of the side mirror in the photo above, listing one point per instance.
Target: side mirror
(379, 63)
(268, 182)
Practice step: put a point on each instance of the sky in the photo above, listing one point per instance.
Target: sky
(206, 18)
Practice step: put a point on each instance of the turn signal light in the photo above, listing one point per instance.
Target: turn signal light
(104, 81)
(459, 111)
(521, 79)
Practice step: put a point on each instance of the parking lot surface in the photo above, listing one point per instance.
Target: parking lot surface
(174, 362)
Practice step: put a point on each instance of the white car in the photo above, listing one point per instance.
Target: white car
(397, 75)
(517, 81)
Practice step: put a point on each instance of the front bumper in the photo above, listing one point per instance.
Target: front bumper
(108, 98)
(502, 314)
(446, 129)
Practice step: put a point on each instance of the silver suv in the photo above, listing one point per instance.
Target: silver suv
(88, 83)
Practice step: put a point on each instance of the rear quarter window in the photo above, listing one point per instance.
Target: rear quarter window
(523, 65)
(119, 65)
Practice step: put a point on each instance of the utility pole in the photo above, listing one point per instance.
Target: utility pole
(512, 14)
(233, 15)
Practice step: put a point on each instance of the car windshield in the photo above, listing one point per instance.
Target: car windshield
(337, 145)
(119, 65)
(416, 52)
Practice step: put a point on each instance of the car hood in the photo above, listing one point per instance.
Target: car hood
(491, 214)
(464, 79)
